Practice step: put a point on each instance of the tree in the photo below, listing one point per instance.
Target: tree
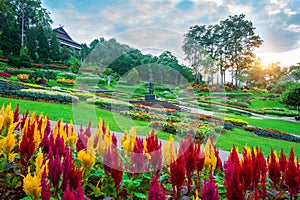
(294, 72)
(54, 47)
(132, 77)
(273, 73)
(240, 42)
(29, 13)
(31, 43)
(291, 97)
(9, 38)
(43, 45)
(194, 48)
(255, 74)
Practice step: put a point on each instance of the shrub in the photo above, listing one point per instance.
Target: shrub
(237, 122)
(228, 126)
(23, 77)
(5, 74)
(66, 81)
(170, 127)
(17, 71)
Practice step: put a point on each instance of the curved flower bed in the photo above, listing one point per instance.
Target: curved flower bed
(276, 134)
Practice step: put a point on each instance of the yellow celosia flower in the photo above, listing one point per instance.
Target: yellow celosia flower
(124, 137)
(32, 185)
(128, 143)
(196, 196)
(86, 159)
(8, 117)
(72, 135)
(169, 152)
(145, 146)
(39, 168)
(55, 130)
(210, 161)
(104, 140)
(8, 143)
(11, 157)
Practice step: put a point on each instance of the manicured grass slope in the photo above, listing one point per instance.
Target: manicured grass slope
(259, 104)
(240, 138)
(285, 126)
(82, 114)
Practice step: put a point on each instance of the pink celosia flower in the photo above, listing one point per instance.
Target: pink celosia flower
(155, 192)
(210, 189)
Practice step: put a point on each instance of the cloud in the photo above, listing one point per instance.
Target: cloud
(276, 21)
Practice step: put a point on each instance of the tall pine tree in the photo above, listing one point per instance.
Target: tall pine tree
(43, 44)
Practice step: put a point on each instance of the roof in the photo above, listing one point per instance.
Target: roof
(65, 39)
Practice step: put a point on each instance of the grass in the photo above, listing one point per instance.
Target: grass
(285, 126)
(240, 138)
(259, 104)
(82, 114)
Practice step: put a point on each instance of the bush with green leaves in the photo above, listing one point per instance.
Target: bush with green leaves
(291, 96)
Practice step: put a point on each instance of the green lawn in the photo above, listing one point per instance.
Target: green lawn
(240, 138)
(82, 114)
(259, 104)
(286, 126)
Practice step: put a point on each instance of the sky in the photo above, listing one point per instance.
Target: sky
(154, 26)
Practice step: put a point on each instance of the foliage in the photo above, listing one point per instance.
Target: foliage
(237, 122)
(132, 78)
(272, 133)
(66, 81)
(291, 96)
(229, 43)
(5, 74)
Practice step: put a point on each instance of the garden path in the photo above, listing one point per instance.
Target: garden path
(200, 111)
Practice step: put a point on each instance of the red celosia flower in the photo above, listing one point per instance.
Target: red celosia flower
(190, 157)
(246, 169)
(55, 170)
(154, 149)
(232, 169)
(274, 168)
(45, 194)
(83, 137)
(66, 168)
(283, 164)
(177, 170)
(137, 157)
(200, 158)
(107, 161)
(219, 161)
(210, 189)
(292, 175)
(27, 145)
(68, 195)
(117, 174)
(16, 114)
(155, 192)
(79, 195)
(115, 169)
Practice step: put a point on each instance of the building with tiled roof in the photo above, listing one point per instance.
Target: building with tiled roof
(65, 39)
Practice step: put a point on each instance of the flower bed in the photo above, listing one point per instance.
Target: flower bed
(272, 133)
(55, 162)
(237, 122)
(5, 74)
(13, 90)
(236, 103)
(110, 104)
(66, 81)
(23, 77)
